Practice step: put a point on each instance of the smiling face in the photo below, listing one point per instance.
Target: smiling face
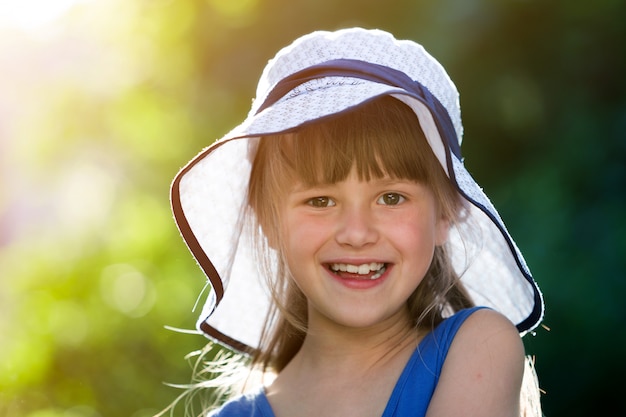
(355, 206)
(358, 249)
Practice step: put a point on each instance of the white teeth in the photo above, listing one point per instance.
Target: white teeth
(362, 269)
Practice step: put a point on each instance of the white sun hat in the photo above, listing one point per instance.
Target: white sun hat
(318, 75)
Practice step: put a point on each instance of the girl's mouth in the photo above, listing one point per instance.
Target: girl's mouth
(368, 271)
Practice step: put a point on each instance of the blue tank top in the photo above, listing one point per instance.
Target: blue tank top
(412, 392)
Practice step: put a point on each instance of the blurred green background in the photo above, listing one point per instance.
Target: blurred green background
(102, 101)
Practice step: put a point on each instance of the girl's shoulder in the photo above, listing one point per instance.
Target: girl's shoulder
(466, 336)
(473, 325)
(483, 367)
(470, 333)
(433, 349)
(421, 376)
(481, 325)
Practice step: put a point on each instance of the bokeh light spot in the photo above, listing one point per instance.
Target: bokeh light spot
(127, 290)
(520, 101)
(234, 9)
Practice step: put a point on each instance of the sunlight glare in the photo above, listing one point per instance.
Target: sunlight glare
(32, 14)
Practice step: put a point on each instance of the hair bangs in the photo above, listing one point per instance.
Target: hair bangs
(382, 138)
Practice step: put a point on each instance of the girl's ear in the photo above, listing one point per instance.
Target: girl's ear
(442, 230)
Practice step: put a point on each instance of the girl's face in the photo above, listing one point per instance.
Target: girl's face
(358, 248)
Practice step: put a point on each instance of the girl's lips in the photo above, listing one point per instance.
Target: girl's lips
(371, 270)
(367, 272)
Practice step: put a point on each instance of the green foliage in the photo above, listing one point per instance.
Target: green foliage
(100, 111)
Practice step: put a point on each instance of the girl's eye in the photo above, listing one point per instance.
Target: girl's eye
(391, 199)
(321, 202)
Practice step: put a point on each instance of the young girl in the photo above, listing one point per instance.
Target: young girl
(349, 252)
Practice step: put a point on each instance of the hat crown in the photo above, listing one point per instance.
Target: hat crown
(374, 46)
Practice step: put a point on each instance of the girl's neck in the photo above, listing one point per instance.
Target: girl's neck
(327, 375)
(338, 347)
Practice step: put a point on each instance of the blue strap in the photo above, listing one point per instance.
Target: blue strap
(376, 73)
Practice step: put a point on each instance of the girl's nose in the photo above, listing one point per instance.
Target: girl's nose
(356, 227)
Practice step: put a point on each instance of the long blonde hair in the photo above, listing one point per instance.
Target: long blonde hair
(381, 137)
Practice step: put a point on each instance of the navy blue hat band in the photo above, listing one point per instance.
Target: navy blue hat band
(376, 73)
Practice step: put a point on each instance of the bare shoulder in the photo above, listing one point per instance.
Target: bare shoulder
(486, 324)
(483, 371)
(486, 339)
